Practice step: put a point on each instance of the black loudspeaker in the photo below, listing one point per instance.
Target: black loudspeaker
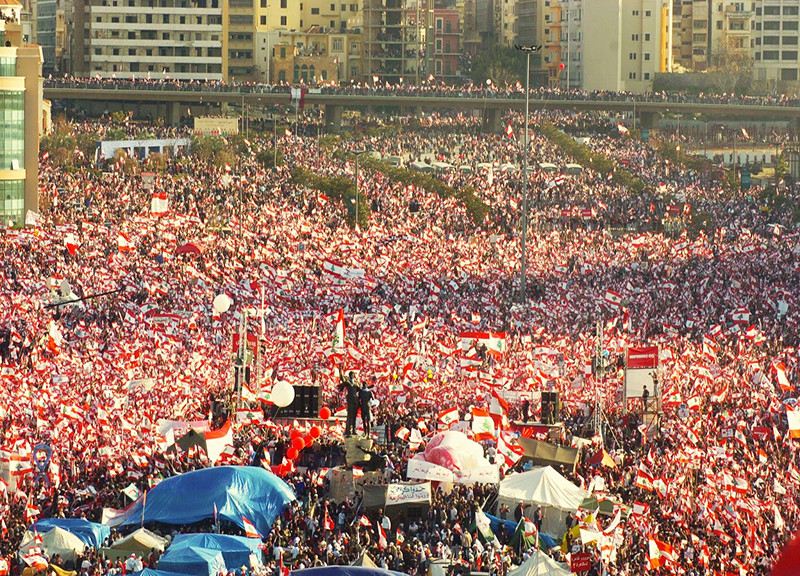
(551, 408)
(306, 404)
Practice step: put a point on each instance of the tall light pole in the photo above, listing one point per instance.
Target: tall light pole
(527, 50)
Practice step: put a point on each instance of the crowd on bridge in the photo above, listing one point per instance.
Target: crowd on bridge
(707, 274)
(429, 87)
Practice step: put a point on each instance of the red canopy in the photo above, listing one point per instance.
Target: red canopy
(188, 248)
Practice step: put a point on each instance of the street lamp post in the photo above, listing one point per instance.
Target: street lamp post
(527, 50)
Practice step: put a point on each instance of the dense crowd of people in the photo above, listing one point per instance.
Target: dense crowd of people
(427, 87)
(707, 275)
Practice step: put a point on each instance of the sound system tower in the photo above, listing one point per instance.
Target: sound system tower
(306, 404)
(551, 408)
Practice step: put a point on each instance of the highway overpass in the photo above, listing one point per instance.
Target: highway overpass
(174, 100)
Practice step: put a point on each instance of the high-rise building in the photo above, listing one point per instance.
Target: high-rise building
(181, 39)
(708, 32)
(446, 44)
(774, 42)
(607, 44)
(21, 117)
(397, 39)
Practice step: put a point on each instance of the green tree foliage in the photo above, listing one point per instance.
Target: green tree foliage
(339, 189)
(502, 65)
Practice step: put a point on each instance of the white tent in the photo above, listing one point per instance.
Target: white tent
(55, 541)
(540, 564)
(139, 542)
(543, 487)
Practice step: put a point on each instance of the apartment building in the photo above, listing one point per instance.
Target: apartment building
(774, 42)
(447, 44)
(22, 110)
(398, 40)
(181, 39)
(706, 32)
(319, 55)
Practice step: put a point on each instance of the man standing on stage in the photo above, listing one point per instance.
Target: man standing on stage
(349, 384)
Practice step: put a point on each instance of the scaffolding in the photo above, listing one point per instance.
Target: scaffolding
(398, 37)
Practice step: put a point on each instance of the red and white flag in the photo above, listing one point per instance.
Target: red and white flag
(382, 543)
(509, 130)
(622, 128)
(159, 204)
(249, 530)
(613, 298)
(482, 424)
(358, 472)
(364, 521)
(124, 243)
(745, 135)
(447, 417)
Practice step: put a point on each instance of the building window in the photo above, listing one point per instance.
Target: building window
(635, 37)
(647, 37)
(439, 24)
(338, 44)
(770, 54)
(283, 20)
(283, 51)
(647, 13)
(789, 55)
(12, 201)
(647, 75)
(789, 74)
(448, 27)
(647, 56)
(315, 11)
(283, 3)
(263, 20)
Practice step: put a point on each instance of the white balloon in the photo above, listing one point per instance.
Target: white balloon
(282, 394)
(222, 303)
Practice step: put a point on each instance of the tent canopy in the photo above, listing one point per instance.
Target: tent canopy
(236, 550)
(235, 491)
(141, 541)
(54, 541)
(543, 486)
(345, 571)
(545, 454)
(193, 561)
(151, 572)
(91, 533)
(540, 564)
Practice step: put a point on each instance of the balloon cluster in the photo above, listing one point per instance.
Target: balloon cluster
(298, 441)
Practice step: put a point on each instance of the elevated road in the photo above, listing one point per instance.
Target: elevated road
(173, 97)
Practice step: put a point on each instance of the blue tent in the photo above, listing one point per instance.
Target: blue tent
(236, 550)
(91, 533)
(237, 491)
(510, 526)
(345, 571)
(192, 561)
(151, 572)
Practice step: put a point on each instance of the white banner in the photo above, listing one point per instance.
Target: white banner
(486, 475)
(408, 493)
(421, 470)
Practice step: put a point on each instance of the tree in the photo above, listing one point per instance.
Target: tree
(502, 65)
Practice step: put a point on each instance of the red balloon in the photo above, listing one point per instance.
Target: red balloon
(309, 440)
(324, 413)
(315, 432)
(292, 453)
(298, 443)
(295, 434)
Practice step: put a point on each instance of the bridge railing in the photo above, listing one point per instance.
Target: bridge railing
(427, 92)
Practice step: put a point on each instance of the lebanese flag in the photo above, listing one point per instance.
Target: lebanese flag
(322, 200)
(613, 298)
(447, 417)
(741, 316)
(216, 440)
(745, 135)
(159, 204)
(249, 530)
(364, 521)
(338, 333)
(382, 543)
(644, 478)
(358, 472)
(509, 130)
(640, 509)
(124, 243)
(495, 342)
(659, 552)
(510, 452)
(780, 376)
(71, 243)
(299, 97)
(622, 128)
(793, 419)
(403, 433)
(327, 522)
(482, 424)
